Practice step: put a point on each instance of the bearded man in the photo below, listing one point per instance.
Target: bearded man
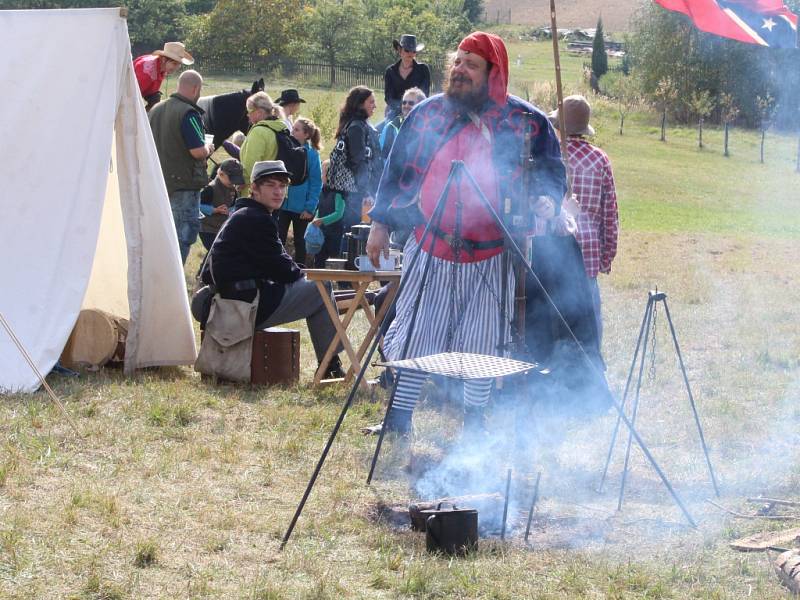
(475, 121)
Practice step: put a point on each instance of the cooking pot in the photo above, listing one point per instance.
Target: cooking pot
(452, 530)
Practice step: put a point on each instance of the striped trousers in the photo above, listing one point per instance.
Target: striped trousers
(461, 309)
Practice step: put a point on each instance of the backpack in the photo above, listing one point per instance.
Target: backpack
(293, 154)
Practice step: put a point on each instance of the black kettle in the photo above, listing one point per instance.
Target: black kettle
(452, 530)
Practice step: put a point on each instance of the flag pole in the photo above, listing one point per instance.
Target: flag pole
(559, 91)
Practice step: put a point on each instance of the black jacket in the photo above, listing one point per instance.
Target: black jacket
(395, 86)
(364, 156)
(248, 248)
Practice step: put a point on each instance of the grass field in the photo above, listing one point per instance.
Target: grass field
(181, 489)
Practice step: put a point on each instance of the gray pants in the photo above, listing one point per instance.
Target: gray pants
(302, 300)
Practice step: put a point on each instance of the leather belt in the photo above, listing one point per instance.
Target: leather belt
(469, 245)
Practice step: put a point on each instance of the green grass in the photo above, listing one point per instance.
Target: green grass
(178, 488)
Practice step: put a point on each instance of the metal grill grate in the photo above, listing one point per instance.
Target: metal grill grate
(462, 365)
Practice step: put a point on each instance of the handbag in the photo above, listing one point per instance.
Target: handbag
(227, 344)
(341, 177)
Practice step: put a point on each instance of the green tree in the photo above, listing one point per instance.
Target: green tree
(665, 44)
(665, 95)
(153, 22)
(254, 29)
(474, 9)
(332, 26)
(766, 106)
(728, 112)
(701, 104)
(599, 56)
(625, 89)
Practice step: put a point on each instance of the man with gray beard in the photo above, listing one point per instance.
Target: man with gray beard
(475, 121)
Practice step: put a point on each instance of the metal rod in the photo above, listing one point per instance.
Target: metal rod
(624, 398)
(635, 409)
(381, 332)
(559, 92)
(640, 442)
(436, 219)
(32, 365)
(533, 505)
(691, 399)
(505, 505)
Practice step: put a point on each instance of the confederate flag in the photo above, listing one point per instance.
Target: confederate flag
(763, 22)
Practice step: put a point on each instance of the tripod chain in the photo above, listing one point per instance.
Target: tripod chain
(651, 373)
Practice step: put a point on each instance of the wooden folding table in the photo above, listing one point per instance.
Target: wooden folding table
(360, 280)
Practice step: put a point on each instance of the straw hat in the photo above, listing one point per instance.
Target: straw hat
(576, 116)
(177, 52)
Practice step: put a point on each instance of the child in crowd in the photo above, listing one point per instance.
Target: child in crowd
(233, 144)
(328, 217)
(301, 202)
(217, 198)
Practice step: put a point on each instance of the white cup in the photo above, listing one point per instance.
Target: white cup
(387, 263)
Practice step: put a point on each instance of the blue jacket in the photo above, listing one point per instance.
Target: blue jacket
(306, 195)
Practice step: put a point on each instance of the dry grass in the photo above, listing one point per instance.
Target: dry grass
(181, 489)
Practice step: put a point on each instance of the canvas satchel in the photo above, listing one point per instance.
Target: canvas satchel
(228, 341)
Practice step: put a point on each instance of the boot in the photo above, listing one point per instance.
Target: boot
(334, 370)
(475, 422)
(398, 421)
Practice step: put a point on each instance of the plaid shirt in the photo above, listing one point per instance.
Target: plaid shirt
(598, 221)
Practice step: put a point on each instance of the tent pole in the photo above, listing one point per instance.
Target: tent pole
(32, 365)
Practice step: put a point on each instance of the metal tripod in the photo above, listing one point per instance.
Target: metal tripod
(648, 321)
(457, 171)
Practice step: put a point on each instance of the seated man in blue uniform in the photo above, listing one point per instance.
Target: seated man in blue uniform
(247, 255)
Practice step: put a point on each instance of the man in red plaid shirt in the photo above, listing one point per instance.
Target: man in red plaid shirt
(593, 187)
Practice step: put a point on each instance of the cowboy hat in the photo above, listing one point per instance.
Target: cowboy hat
(290, 96)
(576, 116)
(408, 43)
(177, 52)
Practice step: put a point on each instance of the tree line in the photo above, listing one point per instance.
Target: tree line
(356, 33)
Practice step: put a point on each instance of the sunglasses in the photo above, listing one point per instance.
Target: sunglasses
(250, 111)
(408, 103)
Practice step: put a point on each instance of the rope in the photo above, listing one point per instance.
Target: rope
(32, 365)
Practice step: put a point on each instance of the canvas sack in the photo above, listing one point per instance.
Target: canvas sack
(228, 341)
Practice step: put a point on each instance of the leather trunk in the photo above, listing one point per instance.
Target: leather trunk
(276, 356)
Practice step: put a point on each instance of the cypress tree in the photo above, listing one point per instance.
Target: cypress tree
(599, 56)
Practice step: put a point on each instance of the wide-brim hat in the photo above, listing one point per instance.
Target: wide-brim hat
(234, 170)
(577, 113)
(408, 43)
(289, 97)
(177, 52)
(265, 168)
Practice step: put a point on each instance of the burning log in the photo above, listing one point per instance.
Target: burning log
(787, 566)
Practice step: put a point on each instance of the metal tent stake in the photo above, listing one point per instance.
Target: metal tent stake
(653, 298)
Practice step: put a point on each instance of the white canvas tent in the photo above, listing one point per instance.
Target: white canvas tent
(86, 221)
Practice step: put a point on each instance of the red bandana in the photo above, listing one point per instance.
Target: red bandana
(492, 49)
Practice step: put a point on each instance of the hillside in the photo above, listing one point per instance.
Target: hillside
(571, 13)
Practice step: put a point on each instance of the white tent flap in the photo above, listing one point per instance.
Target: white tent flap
(55, 170)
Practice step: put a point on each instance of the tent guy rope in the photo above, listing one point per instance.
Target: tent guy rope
(30, 362)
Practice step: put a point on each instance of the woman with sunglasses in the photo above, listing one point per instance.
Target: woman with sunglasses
(411, 98)
(266, 121)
